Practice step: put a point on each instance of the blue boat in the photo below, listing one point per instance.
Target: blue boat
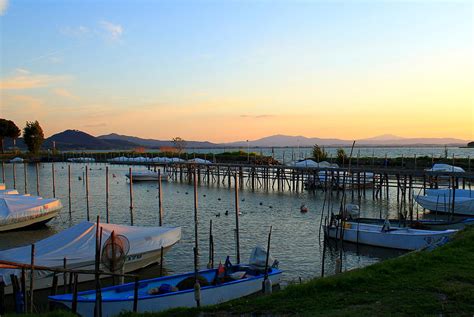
(159, 294)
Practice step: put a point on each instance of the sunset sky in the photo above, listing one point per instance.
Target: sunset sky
(237, 70)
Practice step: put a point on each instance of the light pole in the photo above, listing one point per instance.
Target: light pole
(248, 152)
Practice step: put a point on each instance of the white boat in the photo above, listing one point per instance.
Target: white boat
(337, 179)
(445, 168)
(20, 211)
(77, 246)
(147, 175)
(81, 159)
(381, 236)
(117, 299)
(441, 200)
(17, 160)
(198, 160)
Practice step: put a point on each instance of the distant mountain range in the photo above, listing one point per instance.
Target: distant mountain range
(153, 143)
(387, 140)
(78, 140)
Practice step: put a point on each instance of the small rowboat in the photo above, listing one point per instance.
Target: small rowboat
(163, 293)
(383, 236)
(147, 176)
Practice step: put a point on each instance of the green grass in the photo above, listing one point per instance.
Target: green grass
(438, 283)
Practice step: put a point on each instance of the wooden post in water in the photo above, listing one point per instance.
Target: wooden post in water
(25, 176)
(107, 194)
(131, 194)
(32, 277)
(3, 172)
(98, 295)
(14, 175)
(69, 188)
(74, 295)
(64, 276)
(267, 287)
(237, 238)
(23, 289)
(54, 180)
(135, 294)
(196, 238)
(210, 265)
(160, 200)
(37, 179)
(87, 193)
(197, 287)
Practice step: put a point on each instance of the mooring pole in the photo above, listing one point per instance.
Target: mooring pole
(87, 193)
(32, 277)
(131, 195)
(237, 238)
(54, 180)
(160, 199)
(37, 179)
(3, 172)
(107, 194)
(196, 242)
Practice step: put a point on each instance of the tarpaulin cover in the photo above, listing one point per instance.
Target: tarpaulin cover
(77, 244)
(15, 207)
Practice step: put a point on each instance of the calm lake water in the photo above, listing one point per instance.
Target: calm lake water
(296, 240)
(288, 154)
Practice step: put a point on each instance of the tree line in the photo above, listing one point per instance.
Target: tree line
(33, 135)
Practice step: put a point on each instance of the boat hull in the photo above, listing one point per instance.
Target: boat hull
(29, 222)
(398, 238)
(210, 295)
(443, 204)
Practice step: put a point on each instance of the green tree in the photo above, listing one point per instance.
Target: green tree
(179, 144)
(8, 129)
(319, 153)
(341, 156)
(33, 135)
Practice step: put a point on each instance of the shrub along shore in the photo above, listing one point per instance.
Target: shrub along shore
(425, 283)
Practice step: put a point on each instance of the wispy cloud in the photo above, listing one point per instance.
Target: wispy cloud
(64, 93)
(261, 116)
(22, 104)
(113, 31)
(75, 31)
(3, 6)
(24, 79)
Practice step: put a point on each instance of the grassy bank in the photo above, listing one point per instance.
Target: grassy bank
(440, 282)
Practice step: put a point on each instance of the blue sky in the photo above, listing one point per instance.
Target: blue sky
(155, 68)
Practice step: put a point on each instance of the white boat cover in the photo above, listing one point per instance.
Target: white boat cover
(77, 245)
(16, 160)
(13, 208)
(81, 159)
(198, 160)
(446, 168)
(305, 163)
